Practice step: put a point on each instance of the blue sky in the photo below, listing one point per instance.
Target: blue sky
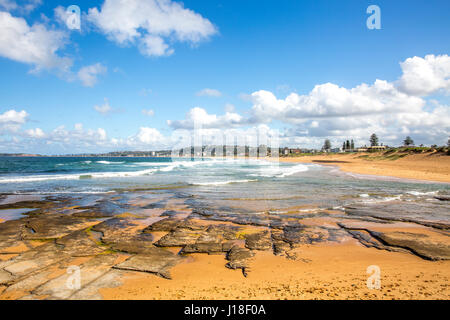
(252, 54)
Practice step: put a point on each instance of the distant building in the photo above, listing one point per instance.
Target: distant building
(376, 148)
(336, 150)
(287, 151)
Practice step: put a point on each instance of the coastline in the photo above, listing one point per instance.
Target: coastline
(136, 244)
(425, 167)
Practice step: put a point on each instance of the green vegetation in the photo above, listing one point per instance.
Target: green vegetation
(408, 141)
(397, 153)
(373, 140)
(327, 145)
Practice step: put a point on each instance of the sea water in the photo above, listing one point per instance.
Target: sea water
(226, 184)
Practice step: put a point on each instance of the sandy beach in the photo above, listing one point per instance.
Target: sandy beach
(323, 271)
(236, 241)
(428, 167)
(326, 272)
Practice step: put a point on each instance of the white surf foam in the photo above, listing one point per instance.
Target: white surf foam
(218, 183)
(364, 195)
(109, 162)
(78, 176)
(385, 199)
(418, 193)
(280, 171)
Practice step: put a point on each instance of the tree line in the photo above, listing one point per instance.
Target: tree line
(374, 142)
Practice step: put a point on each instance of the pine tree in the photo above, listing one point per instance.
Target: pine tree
(408, 141)
(327, 144)
(373, 140)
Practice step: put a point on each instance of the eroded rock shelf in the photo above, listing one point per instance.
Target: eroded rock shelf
(112, 236)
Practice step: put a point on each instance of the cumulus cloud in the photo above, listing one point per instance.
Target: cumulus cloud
(40, 47)
(209, 93)
(154, 46)
(34, 45)
(12, 120)
(24, 6)
(329, 100)
(198, 116)
(8, 5)
(149, 24)
(149, 135)
(78, 137)
(30, 5)
(148, 112)
(390, 109)
(36, 133)
(229, 107)
(88, 75)
(104, 109)
(424, 76)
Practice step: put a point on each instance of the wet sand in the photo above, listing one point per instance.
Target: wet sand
(428, 167)
(145, 246)
(325, 272)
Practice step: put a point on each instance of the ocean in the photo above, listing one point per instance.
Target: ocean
(232, 185)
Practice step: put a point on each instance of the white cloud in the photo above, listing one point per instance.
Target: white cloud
(101, 134)
(424, 76)
(8, 5)
(35, 45)
(150, 24)
(209, 93)
(88, 75)
(229, 107)
(329, 100)
(36, 133)
(104, 108)
(148, 112)
(149, 136)
(198, 116)
(154, 46)
(25, 6)
(12, 120)
(30, 5)
(62, 15)
(77, 139)
(390, 109)
(39, 46)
